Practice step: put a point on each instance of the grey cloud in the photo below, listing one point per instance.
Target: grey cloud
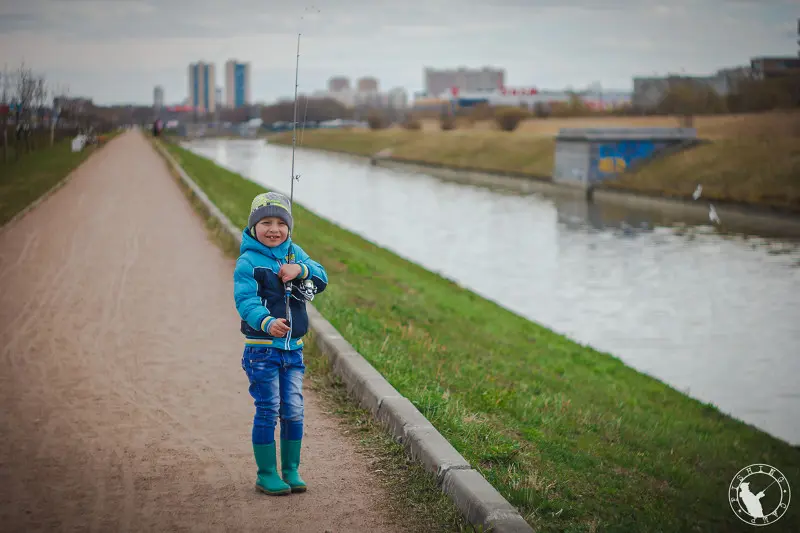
(109, 19)
(16, 21)
(546, 42)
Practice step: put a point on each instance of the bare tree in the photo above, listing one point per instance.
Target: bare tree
(60, 98)
(26, 90)
(39, 101)
(6, 101)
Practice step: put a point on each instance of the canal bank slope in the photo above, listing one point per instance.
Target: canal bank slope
(751, 161)
(570, 436)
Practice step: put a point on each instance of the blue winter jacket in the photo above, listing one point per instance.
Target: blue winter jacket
(259, 292)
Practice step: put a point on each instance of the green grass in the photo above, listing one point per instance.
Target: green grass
(23, 181)
(573, 438)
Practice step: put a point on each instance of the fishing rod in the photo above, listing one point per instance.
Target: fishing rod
(287, 286)
(294, 123)
(307, 288)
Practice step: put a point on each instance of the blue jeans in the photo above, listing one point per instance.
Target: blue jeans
(276, 385)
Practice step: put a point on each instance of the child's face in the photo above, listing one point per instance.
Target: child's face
(271, 231)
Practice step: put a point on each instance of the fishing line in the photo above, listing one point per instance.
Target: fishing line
(307, 288)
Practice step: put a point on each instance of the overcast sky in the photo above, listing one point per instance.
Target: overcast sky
(116, 51)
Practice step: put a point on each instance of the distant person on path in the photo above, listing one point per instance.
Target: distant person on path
(751, 501)
(273, 351)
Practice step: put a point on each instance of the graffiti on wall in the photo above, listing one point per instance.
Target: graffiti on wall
(615, 157)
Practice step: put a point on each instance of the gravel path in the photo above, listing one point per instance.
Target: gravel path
(124, 404)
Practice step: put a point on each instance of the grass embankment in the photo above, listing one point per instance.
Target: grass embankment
(571, 436)
(752, 159)
(23, 181)
(486, 150)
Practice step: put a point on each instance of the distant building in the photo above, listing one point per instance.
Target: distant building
(158, 98)
(370, 99)
(346, 97)
(486, 79)
(398, 98)
(367, 85)
(338, 84)
(649, 92)
(202, 87)
(218, 96)
(774, 67)
(237, 84)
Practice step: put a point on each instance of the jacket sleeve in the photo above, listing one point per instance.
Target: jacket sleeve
(311, 269)
(250, 306)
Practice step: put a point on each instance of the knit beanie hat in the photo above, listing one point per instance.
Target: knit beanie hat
(270, 204)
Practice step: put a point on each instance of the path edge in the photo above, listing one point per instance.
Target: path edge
(478, 501)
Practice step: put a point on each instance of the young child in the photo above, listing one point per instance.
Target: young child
(273, 351)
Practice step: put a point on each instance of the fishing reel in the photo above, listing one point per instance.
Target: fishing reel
(303, 290)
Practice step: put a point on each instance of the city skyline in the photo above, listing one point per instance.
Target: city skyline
(117, 52)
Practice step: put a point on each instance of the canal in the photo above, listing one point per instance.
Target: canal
(713, 315)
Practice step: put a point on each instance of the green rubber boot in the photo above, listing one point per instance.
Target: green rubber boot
(290, 460)
(269, 482)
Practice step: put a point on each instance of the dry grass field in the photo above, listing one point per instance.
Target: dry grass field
(752, 159)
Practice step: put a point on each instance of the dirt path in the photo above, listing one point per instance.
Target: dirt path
(123, 403)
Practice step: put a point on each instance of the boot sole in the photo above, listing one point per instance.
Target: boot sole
(299, 489)
(275, 493)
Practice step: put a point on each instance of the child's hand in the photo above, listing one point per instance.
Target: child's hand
(279, 327)
(289, 271)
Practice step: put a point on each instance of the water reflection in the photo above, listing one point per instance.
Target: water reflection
(713, 315)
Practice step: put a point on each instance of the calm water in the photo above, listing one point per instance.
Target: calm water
(715, 316)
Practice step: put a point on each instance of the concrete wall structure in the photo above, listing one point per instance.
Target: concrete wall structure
(586, 156)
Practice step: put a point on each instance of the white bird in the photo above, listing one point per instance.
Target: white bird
(712, 214)
(697, 192)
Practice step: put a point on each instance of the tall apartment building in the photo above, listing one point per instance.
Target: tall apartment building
(486, 79)
(202, 87)
(338, 84)
(237, 84)
(158, 97)
(367, 85)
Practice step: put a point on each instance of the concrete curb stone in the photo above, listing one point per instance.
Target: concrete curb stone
(480, 502)
(476, 498)
(437, 455)
(400, 416)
